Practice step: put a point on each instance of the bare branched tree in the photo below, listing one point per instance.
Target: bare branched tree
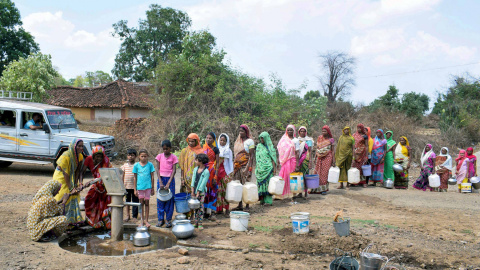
(337, 74)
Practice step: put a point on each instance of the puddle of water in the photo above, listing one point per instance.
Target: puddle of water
(100, 243)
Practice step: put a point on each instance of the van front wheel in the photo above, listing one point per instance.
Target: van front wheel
(5, 164)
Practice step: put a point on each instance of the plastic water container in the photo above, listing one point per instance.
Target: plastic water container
(250, 193)
(312, 181)
(333, 175)
(300, 222)
(276, 185)
(181, 204)
(466, 187)
(296, 182)
(234, 192)
(353, 176)
(367, 170)
(434, 180)
(239, 221)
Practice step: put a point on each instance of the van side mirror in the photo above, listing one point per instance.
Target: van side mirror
(46, 128)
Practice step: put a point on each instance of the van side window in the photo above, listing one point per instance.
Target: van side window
(7, 118)
(32, 120)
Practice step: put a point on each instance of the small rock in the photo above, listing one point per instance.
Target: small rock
(183, 251)
(292, 257)
(260, 265)
(183, 260)
(283, 240)
(245, 250)
(410, 245)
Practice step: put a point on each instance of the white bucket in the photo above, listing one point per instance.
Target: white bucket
(300, 222)
(239, 221)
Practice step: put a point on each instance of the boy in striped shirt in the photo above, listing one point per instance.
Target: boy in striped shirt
(128, 179)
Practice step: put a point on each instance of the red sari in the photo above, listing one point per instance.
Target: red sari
(212, 187)
(361, 151)
(96, 210)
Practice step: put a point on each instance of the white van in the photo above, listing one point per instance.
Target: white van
(19, 143)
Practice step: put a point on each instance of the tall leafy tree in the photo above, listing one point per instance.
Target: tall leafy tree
(390, 101)
(32, 74)
(142, 48)
(15, 42)
(414, 104)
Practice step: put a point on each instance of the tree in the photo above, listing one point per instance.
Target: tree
(32, 74)
(310, 95)
(15, 42)
(97, 78)
(338, 75)
(414, 105)
(144, 47)
(389, 101)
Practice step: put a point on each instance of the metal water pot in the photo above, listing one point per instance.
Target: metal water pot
(452, 181)
(183, 229)
(371, 261)
(388, 183)
(193, 203)
(397, 167)
(81, 205)
(178, 217)
(141, 238)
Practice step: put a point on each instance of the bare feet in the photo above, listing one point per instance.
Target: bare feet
(127, 219)
(340, 187)
(147, 224)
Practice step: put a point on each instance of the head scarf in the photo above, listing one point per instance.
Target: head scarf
(265, 154)
(268, 143)
(327, 128)
(50, 189)
(460, 158)
(286, 146)
(449, 162)
(214, 138)
(390, 141)
(362, 128)
(74, 158)
(426, 155)
(306, 138)
(105, 163)
(472, 156)
(197, 148)
(238, 146)
(226, 154)
(404, 147)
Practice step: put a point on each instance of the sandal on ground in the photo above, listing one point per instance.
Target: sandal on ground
(200, 227)
(160, 223)
(169, 224)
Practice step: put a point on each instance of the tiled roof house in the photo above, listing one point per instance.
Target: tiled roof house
(116, 100)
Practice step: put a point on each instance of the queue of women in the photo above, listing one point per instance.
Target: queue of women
(206, 170)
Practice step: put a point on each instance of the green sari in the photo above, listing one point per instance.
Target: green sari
(265, 154)
(388, 169)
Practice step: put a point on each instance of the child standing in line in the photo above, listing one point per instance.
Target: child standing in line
(166, 168)
(143, 182)
(128, 182)
(199, 186)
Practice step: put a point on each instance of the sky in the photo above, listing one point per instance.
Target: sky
(416, 45)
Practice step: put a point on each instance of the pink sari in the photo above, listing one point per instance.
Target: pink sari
(286, 153)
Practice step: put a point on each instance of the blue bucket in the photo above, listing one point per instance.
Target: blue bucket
(312, 181)
(181, 203)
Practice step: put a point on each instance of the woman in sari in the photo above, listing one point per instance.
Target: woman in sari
(224, 169)
(68, 173)
(306, 145)
(378, 157)
(288, 158)
(370, 148)
(97, 211)
(344, 155)
(472, 169)
(45, 220)
(244, 152)
(427, 162)
(401, 156)
(462, 169)
(388, 169)
(361, 151)
(266, 164)
(443, 167)
(186, 161)
(211, 150)
(324, 159)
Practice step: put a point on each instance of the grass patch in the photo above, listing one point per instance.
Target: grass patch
(252, 245)
(267, 228)
(467, 231)
(390, 226)
(267, 246)
(204, 242)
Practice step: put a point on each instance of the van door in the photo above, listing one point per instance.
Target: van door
(36, 142)
(8, 131)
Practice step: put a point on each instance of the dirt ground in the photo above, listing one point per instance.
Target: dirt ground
(423, 230)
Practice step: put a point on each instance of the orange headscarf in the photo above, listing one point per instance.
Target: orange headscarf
(197, 148)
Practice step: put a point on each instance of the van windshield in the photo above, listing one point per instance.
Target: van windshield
(59, 119)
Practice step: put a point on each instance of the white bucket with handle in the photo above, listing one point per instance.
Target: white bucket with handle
(239, 221)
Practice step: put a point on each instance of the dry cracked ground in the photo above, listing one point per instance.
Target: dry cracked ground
(423, 230)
